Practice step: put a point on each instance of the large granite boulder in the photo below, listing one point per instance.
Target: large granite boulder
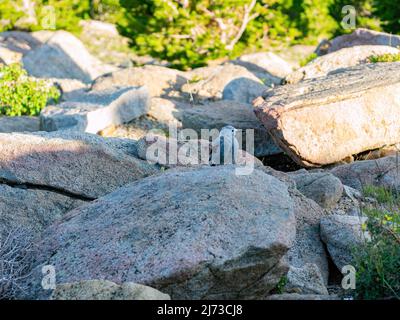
(94, 111)
(64, 56)
(319, 122)
(343, 58)
(194, 234)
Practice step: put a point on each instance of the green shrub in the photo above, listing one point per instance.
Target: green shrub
(23, 95)
(389, 13)
(388, 57)
(381, 194)
(188, 34)
(308, 59)
(377, 262)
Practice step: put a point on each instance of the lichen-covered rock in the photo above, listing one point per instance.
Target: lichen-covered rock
(319, 122)
(194, 234)
(105, 290)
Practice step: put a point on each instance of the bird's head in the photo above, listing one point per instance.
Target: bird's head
(228, 130)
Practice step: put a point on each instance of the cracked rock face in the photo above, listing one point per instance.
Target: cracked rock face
(73, 164)
(193, 234)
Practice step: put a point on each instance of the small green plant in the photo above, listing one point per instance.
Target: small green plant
(377, 261)
(387, 57)
(308, 59)
(381, 194)
(21, 94)
(281, 285)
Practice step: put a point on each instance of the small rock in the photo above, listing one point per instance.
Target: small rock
(305, 280)
(243, 90)
(157, 149)
(194, 152)
(381, 172)
(323, 187)
(341, 235)
(168, 111)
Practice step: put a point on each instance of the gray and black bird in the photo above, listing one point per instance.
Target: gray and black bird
(225, 148)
